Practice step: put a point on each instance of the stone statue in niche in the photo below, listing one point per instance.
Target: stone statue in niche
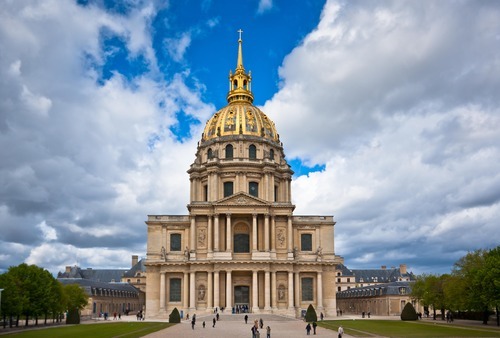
(186, 253)
(281, 292)
(201, 237)
(201, 292)
(281, 238)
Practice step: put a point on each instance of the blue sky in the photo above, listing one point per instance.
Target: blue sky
(388, 112)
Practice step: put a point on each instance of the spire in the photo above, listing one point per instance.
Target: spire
(240, 89)
(239, 63)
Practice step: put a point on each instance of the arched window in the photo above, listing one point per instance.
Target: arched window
(228, 189)
(271, 154)
(252, 152)
(210, 153)
(229, 152)
(253, 189)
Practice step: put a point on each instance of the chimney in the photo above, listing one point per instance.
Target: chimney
(135, 260)
(68, 269)
(402, 268)
(383, 267)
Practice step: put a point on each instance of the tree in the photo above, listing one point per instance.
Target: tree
(479, 275)
(311, 315)
(429, 290)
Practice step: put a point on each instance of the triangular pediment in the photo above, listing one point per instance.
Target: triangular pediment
(241, 198)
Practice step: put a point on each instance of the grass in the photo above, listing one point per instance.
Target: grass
(406, 329)
(100, 330)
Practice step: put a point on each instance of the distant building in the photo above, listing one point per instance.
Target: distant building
(109, 290)
(379, 291)
(355, 278)
(386, 299)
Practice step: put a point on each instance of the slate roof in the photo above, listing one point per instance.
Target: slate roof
(393, 288)
(139, 267)
(376, 275)
(100, 275)
(88, 285)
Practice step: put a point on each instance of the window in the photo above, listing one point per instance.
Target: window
(307, 289)
(241, 243)
(252, 152)
(276, 193)
(271, 154)
(229, 152)
(175, 290)
(228, 189)
(306, 242)
(210, 153)
(253, 189)
(205, 192)
(175, 242)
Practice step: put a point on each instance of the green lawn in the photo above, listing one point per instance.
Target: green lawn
(102, 330)
(407, 329)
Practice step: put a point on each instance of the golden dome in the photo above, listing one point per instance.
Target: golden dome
(240, 117)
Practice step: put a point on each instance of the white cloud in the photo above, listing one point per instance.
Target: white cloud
(77, 155)
(264, 6)
(405, 120)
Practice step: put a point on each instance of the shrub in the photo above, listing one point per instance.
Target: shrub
(175, 316)
(73, 317)
(409, 312)
(311, 314)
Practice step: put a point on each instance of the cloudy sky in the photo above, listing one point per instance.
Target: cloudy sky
(389, 112)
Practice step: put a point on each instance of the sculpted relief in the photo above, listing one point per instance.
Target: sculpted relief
(281, 238)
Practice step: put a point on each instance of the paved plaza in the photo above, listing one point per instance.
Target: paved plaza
(234, 326)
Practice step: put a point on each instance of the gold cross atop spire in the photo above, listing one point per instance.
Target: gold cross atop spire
(240, 31)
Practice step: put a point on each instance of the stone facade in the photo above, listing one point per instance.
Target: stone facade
(240, 246)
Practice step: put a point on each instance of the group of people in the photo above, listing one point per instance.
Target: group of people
(240, 309)
(308, 328)
(255, 328)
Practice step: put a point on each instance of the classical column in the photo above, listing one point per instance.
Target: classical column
(266, 187)
(254, 232)
(210, 241)
(192, 291)
(185, 291)
(267, 293)
(273, 233)
(228, 233)
(290, 290)
(162, 291)
(266, 232)
(290, 234)
(229, 289)
(297, 290)
(320, 289)
(273, 290)
(255, 292)
(216, 289)
(209, 290)
(216, 232)
(192, 230)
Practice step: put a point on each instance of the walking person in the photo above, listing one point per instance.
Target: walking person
(261, 322)
(314, 327)
(340, 331)
(246, 319)
(308, 329)
(268, 331)
(214, 321)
